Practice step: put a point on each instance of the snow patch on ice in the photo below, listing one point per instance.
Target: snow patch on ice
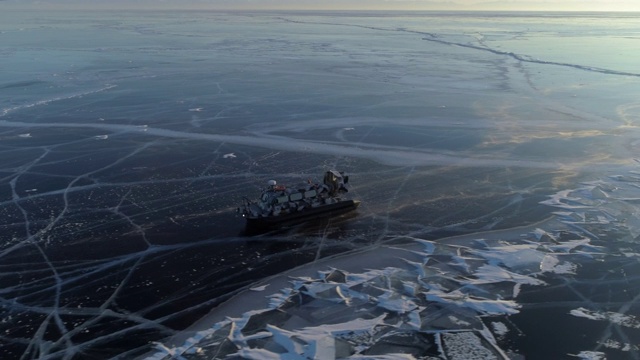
(629, 321)
(551, 264)
(591, 355)
(613, 344)
(499, 328)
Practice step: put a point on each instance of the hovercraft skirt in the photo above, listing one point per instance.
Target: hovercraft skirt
(267, 222)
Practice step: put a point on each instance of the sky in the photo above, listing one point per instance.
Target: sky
(539, 5)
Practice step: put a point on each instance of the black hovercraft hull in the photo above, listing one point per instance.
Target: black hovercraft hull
(270, 222)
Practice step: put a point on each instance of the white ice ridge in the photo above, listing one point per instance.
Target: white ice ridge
(389, 155)
(439, 38)
(9, 110)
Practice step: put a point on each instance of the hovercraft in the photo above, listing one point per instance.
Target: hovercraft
(280, 205)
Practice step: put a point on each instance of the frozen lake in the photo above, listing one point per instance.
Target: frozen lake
(495, 156)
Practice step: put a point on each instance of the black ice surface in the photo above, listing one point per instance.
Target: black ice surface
(505, 141)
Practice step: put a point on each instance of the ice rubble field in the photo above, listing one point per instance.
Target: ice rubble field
(449, 299)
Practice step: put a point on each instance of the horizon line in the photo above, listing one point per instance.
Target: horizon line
(275, 8)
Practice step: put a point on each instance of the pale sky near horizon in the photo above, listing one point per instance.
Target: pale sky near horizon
(548, 5)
